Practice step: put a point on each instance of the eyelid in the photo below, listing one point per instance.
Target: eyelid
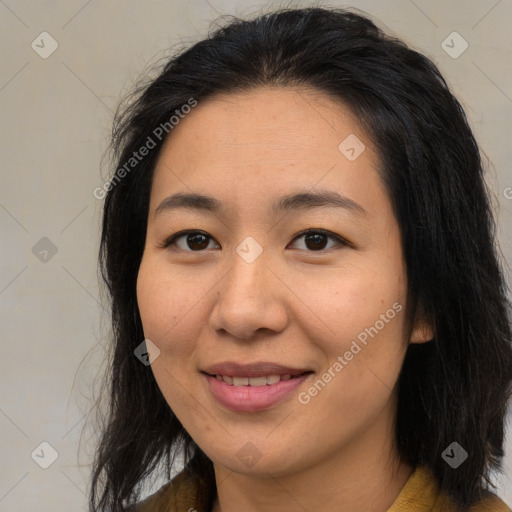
(329, 234)
(342, 242)
(172, 239)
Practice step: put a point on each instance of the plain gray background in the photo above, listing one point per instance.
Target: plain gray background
(56, 115)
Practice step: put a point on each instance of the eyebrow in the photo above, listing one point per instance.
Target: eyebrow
(291, 202)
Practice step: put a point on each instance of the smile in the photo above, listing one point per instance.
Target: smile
(253, 394)
(265, 380)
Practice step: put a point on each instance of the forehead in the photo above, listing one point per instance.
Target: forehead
(267, 140)
(266, 122)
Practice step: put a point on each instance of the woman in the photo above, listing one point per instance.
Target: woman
(307, 302)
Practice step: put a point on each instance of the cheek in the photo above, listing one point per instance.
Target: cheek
(163, 309)
(150, 302)
(362, 314)
(355, 298)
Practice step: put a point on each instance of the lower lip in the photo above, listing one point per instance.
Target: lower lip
(252, 398)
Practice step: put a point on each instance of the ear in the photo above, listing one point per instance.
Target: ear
(422, 331)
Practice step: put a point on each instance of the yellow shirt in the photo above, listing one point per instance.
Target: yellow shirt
(419, 494)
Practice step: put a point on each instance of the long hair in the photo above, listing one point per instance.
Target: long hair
(452, 389)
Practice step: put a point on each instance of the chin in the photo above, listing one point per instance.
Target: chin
(251, 461)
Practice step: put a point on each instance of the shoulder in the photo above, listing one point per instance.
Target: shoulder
(156, 502)
(422, 493)
(490, 503)
(181, 494)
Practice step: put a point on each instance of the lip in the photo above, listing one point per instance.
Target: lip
(253, 398)
(257, 369)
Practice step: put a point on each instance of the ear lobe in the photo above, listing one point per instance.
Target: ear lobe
(422, 333)
(423, 330)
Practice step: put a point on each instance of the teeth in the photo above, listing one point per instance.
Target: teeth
(227, 379)
(258, 381)
(252, 381)
(272, 379)
(240, 381)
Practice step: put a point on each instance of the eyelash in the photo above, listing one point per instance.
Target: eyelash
(342, 242)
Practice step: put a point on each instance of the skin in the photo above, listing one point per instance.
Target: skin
(294, 305)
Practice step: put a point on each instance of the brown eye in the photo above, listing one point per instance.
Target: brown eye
(194, 241)
(317, 239)
(197, 241)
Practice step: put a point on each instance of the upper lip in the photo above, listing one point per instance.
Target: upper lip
(257, 369)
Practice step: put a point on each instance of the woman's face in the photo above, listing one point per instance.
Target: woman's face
(248, 287)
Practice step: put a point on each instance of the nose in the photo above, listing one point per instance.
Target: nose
(250, 300)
